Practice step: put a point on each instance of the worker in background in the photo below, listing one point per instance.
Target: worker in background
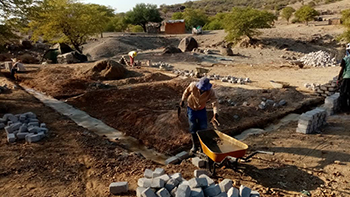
(132, 55)
(17, 67)
(197, 95)
(344, 79)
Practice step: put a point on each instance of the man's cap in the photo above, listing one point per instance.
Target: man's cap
(204, 84)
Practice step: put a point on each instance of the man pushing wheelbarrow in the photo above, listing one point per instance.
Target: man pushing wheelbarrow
(197, 95)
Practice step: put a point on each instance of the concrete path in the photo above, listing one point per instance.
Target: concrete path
(85, 120)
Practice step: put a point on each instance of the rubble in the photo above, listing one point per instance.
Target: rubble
(202, 186)
(318, 59)
(311, 121)
(23, 126)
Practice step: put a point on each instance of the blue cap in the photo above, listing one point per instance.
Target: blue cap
(204, 84)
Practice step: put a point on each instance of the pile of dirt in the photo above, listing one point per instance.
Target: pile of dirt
(143, 79)
(146, 112)
(106, 70)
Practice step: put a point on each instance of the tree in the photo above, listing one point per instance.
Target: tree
(66, 21)
(244, 22)
(216, 22)
(117, 24)
(177, 16)
(306, 14)
(12, 17)
(194, 17)
(142, 14)
(287, 12)
(105, 14)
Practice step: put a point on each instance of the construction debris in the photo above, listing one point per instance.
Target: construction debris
(175, 185)
(23, 126)
(312, 121)
(318, 59)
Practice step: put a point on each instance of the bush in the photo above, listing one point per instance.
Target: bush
(135, 28)
(306, 14)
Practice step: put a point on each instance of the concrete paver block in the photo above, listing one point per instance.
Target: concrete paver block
(197, 173)
(33, 120)
(139, 191)
(8, 129)
(198, 162)
(233, 192)
(148, 173)
(183, 155)
(34, 129)
(33, 124)
(163, 193)
(244, 191)
(171, 184)
(158, 172)
(197, 192)
(254, 194)
(30, 115)
(43, 125)
(16, 126)
(172, 160)
(177, 176)
(225, 185)
(157, 183)
(212, 190)
(144, 182)
(173, 192)
(2, 125)
(118, 187)
(21, 136)
(209, 180)
(23, 128)
(12, 118)
(164, 177)
(44, 130)
(198, 182)
(22, 117)
(2, 120)
(11, 137)
(183, 191)
(222, 194)
(33, 138)
(148, 193)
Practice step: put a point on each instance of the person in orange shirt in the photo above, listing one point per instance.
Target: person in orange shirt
(197, 95)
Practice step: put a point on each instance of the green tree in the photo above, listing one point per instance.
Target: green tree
(245, 22)
(287, 12)
(66, 21)
(215, 22)
(105, 14)
(194, 17)
(306, 14)
(177, 16)
(13, 17)
(117, 24)
(346, 23)
(142, 14)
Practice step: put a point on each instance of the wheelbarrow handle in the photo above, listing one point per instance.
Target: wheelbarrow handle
(258, 152)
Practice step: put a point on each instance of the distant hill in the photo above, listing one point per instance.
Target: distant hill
(211, 7)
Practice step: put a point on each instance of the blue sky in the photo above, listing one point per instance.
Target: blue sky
(126, 5)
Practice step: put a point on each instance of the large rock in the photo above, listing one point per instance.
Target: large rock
(71, 58)
(107, 69)
(28, 59)
(171, 49)
(226, 51)
(188, 44)
(26, 44)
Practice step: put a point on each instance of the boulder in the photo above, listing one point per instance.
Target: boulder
(188, 44)
(71, 58)
(171, 49)
(28, 59)
(226, 51)
(26, 44)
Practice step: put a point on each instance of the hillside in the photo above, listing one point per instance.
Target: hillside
(212, 7)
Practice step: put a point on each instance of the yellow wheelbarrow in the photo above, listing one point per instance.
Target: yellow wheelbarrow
(222, 149)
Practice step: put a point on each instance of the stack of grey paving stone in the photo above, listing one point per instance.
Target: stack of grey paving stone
(318, 59)
(230, 79)
(311, 121)
(324, 90)
(266, 103)
(163, 66)
(3, 88)
(158, 184)
(177, 158)
(23, 127)
(332, 104)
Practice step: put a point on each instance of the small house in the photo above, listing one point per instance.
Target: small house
(174, 27)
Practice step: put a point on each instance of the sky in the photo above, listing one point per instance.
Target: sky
(126, 5)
